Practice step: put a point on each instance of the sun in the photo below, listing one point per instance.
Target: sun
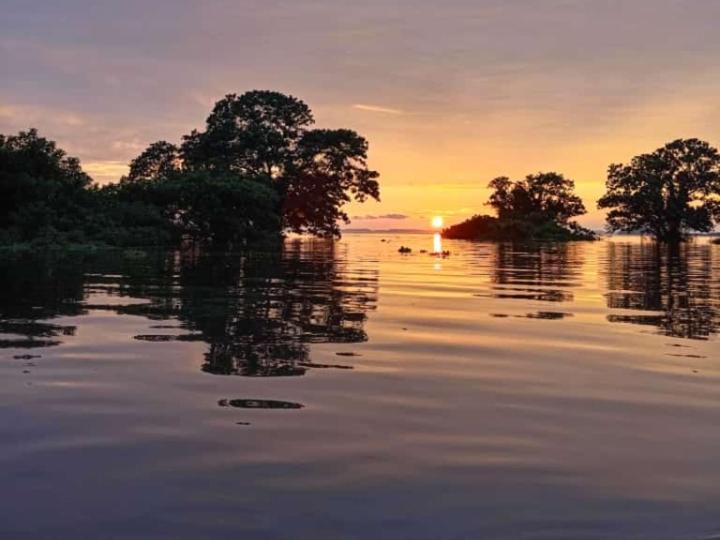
(437, 222)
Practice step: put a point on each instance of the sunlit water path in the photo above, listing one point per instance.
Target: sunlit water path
(350, 391)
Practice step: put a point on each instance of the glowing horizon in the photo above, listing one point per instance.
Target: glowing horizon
(500, 89)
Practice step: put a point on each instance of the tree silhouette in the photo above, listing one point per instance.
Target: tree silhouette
(537, 198)
(329, 169)
(158, 162)
(255, 133)
(540, 206)
(674, 190)
(43, 192)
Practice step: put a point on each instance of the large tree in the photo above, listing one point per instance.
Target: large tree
(159, 161)
(329, 169)
(668, 193)
(538, 198)
(42, 189)
(255, 133)
(267, 134)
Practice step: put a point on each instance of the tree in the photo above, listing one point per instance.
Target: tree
(255, 133)
(538, 198)
(41, 188)
(329, 170)
(159, 161)
(538, 207)
(674, 190)
(263, 133)
(223, 209)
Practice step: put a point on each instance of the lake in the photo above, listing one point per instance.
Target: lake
(349, 391)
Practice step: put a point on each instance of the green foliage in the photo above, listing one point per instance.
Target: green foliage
(539, 207)
(329, 170)
(256, 169)
(252, 134)
(159, 161)
(668, 193)
(315, 172)
(490, 228)
(223, 209)
(538, 198)
(43, 192)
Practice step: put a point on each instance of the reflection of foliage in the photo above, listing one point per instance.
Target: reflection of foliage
(542, 272)
(274, 305)
(257, 311)
(674, 284)
(35, 289)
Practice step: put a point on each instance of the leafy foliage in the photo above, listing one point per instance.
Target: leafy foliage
(538, 198)
(159, 161)
(674, 190)
(255, 133)
(263, 133)
(539, 207)
(257, 169)
(42, 190)
(329, 170)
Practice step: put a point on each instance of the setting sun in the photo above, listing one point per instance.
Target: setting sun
(437, 222)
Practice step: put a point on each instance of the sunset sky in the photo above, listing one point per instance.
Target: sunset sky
(449, 94)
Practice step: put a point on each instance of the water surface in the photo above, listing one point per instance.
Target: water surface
(349, 391)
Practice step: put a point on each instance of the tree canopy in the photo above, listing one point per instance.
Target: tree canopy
(257, 169)
(539, 207)
(159, 161)
(42, 189)
(537, 198)
(668, 193)
(268, 134)
(255, 133)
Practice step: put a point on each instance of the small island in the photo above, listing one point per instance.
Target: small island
(668, 194)
(539, 207)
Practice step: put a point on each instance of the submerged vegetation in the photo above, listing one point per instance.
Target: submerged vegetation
(257, 169)
(668, 194)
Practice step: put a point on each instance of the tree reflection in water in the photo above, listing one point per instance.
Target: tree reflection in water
(257, 311)
(673, 289)
(541, 272)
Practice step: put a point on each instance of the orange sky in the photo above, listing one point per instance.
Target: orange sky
(449, 94)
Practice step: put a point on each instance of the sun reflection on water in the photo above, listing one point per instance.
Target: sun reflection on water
(437, 243)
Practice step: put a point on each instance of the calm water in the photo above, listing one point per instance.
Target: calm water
(348, 391)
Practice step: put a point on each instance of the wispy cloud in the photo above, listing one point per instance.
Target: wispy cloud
(377, 109)
(28, 116)
(383, 216)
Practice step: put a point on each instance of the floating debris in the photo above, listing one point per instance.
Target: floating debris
(26, 356)
(404, 249)
(349, 353)
(169, 337)
(259, 404)
(325, 366)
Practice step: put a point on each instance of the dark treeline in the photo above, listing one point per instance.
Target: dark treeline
(667, 194)
(256, 170)
(259, 169)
